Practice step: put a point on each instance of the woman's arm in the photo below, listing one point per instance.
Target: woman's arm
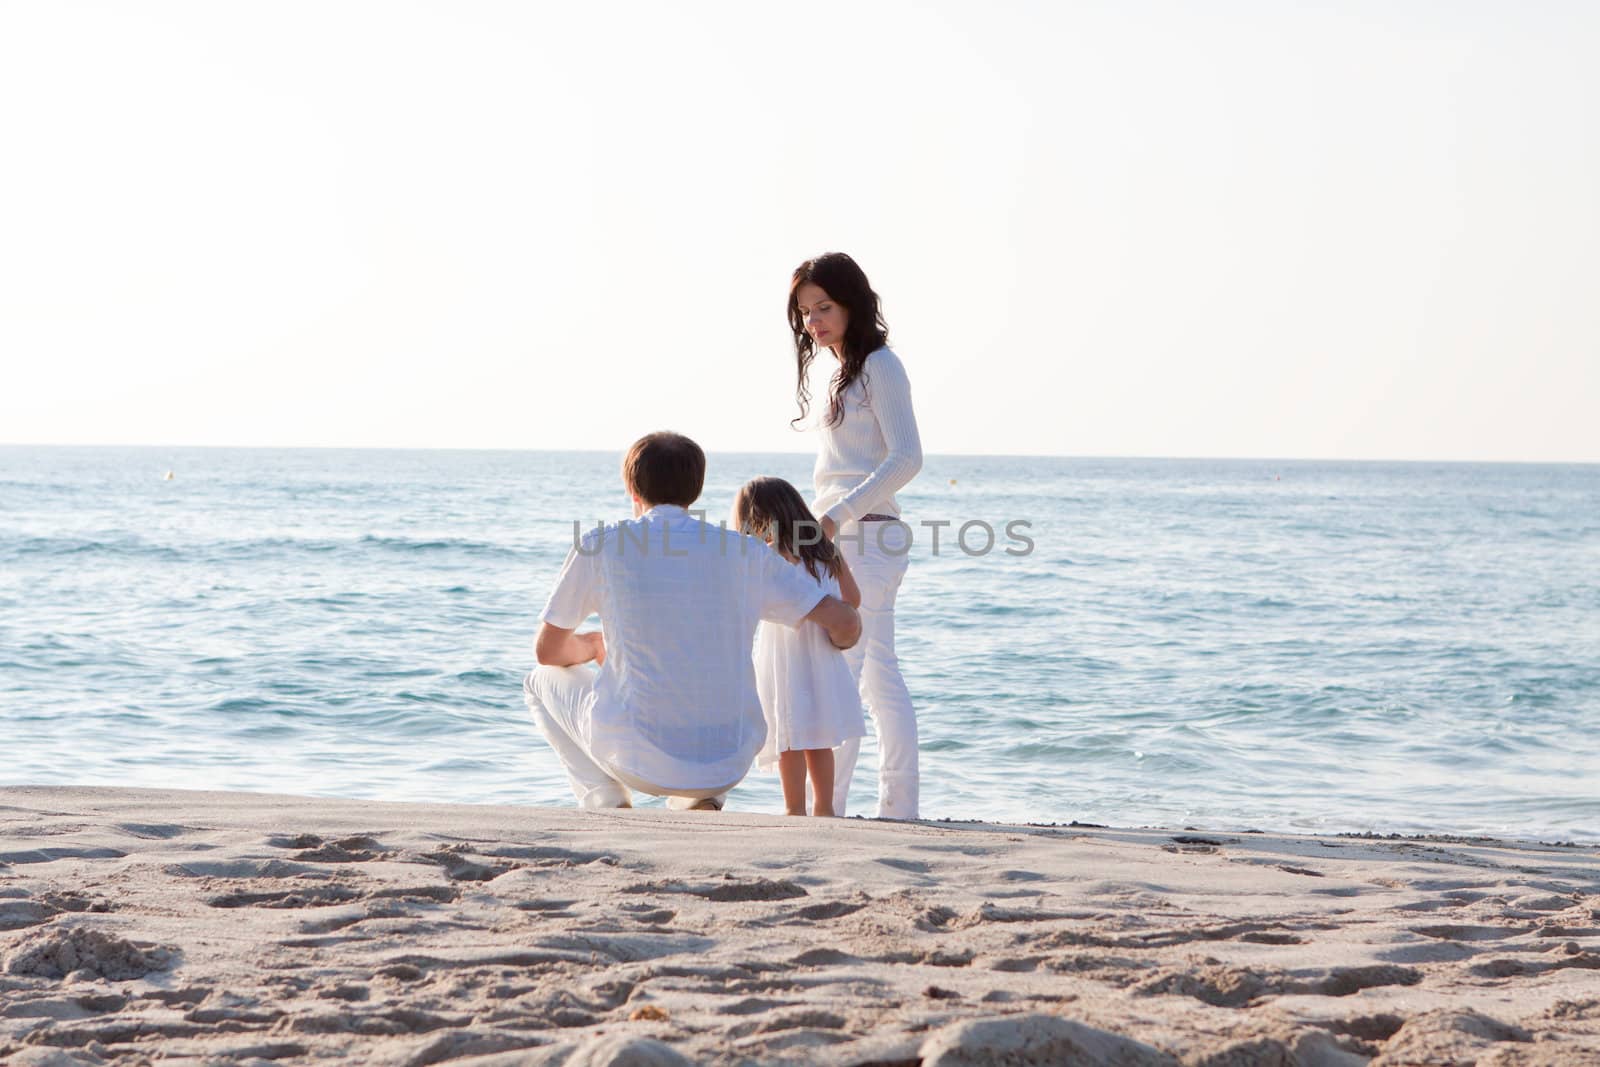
(890, 390)
(849, 591)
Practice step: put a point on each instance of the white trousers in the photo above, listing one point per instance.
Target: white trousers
(878, 564)
(557, 697)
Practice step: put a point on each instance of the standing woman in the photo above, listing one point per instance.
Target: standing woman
(869, 450)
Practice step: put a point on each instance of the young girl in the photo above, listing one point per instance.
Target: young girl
(807, 692)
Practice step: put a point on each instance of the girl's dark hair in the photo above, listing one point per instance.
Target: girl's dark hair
(846, 284)
(773, 506)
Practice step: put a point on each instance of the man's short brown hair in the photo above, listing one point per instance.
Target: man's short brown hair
(665, 468)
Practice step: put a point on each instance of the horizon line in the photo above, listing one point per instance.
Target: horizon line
(769, 452)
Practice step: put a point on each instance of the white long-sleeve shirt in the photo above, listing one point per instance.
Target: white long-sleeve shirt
(874, 451)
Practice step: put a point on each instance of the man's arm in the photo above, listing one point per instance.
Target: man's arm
(575, 597)
(838, 619)
(559, 647)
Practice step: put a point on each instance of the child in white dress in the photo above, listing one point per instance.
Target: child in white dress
(808, 695)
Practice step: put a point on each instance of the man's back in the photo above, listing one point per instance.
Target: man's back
(675, 702)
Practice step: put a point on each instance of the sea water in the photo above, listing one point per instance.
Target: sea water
(1314, 646)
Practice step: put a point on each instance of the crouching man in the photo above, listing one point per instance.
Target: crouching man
(673, 710)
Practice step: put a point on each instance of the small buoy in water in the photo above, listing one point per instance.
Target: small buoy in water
(952, 481)
(167, 477)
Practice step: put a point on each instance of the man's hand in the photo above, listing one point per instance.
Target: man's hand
(559, 647)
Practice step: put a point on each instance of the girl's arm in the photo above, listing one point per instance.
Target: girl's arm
(849, 592)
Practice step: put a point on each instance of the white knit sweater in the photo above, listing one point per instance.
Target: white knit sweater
(874, 450)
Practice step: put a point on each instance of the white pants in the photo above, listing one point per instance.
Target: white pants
(878, 565)
(557, 697)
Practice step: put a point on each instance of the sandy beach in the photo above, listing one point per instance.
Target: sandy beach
(186, 927)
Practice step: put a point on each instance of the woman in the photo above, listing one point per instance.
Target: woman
(869, 450)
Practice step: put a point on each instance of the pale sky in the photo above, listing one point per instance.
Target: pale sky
(1357, 230)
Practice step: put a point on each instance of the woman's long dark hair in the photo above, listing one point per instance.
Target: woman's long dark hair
(846, 285)
(772, 506)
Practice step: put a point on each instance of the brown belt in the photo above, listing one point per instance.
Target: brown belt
(879, 518)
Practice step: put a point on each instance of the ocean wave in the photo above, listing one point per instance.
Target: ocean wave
(22, 547)
(262, 548)
(467, 546)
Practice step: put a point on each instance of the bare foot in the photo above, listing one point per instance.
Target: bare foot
(823, 811)
(792, 811)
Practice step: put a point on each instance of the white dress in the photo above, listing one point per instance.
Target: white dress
(808, 694)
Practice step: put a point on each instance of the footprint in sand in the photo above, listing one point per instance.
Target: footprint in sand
(994, 913)
(20, 914)
(240, 868)
(1347, 981)
(1456, 932)
(297, 841)
(823, 957)
(1374, 1028)
(347, 991)
(187, 997)
(836, 909)
(1016, 964)
(309, 896)
(1543, 902)
(729, 891)
(1237, 987)
(791, 1019)
(556, 908)
(344, 918)
(1515, 968)
(1305, 871)
(1431, 904)
(550, 856)
(50, 855)
(754, 1006)
(1455, 1035)
(359, 849)
(152, 831)
(1260, 933)
(458, 867)
(631, 947)
(436, 894)
(645, 913)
